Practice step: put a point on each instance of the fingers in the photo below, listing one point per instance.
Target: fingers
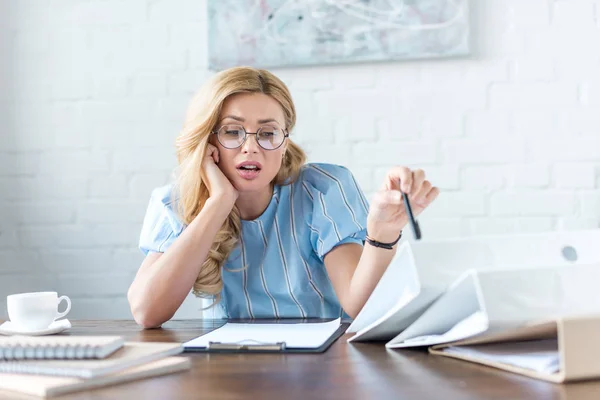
(402, 178)
(385, 197)
(419, 194)
(399, 178)
(431, 196)
(425, 200)
(411, 182)
(426, 194)
(212, 151)
(417, 182)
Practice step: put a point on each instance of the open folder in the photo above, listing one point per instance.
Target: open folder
(423, 271)
(283, 337)
(495, 301)
(559, 350)
(539, 322)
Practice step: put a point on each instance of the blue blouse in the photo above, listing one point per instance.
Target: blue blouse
(283, 249)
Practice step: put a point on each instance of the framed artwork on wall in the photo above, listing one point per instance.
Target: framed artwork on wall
(280, 33)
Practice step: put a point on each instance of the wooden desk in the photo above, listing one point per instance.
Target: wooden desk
(345, 371)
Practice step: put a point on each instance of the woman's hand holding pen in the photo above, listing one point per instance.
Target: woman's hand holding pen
(387, 213)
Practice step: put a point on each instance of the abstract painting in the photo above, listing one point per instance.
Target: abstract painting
(280, 33)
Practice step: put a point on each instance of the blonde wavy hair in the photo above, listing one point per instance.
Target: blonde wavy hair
(191, 185)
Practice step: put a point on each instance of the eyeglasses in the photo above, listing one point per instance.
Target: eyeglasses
(234, 136)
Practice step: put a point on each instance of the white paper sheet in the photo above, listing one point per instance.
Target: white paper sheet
(473, 325)
(538, 355)
(295, 335)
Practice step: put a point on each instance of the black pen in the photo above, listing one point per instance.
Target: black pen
(413, 222)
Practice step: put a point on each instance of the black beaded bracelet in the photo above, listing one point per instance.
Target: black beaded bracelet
(388, 246)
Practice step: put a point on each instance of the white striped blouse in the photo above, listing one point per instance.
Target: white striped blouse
(282, 249)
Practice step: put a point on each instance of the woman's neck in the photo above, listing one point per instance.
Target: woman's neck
(252, 204)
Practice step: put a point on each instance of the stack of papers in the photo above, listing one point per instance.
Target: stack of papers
(537, 355)
(474, 324)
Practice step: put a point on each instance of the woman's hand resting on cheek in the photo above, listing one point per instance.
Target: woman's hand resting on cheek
(219, 186)
(387, 213)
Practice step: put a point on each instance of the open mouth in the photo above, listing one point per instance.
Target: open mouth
(249, 168)
(249, 165)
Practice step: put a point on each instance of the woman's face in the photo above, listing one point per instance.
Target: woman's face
(250, 167)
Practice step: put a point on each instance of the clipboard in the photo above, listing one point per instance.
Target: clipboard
(253, 346)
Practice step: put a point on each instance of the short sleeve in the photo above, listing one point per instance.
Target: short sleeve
(339, 207)
(161, 224)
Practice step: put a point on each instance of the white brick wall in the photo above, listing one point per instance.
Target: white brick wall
(93, 94)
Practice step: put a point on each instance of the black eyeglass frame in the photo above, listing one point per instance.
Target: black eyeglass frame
(216, 132)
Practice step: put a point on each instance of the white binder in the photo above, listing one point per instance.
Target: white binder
(495, 301)
(421, 271)
(572, 341)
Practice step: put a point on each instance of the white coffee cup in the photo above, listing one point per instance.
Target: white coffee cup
(35, 311)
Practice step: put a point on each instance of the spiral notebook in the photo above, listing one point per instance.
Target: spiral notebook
(13, 385)
(130, 355)
(58, 347)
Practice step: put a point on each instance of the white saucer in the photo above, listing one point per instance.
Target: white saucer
(9, 329)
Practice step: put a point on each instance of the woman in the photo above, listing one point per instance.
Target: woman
(251, 226)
